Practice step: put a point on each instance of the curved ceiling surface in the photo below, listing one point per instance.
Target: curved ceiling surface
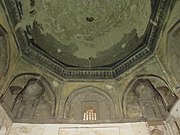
(72, 31)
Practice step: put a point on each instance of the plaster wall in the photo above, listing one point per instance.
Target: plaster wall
(173, 121)
(175, 112)
(5, 122)
(139, 128)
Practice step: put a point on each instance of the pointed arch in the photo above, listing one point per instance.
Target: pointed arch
(153, 84)
(89, 95)
(19, 83)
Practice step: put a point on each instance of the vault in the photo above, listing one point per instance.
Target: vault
(82, 39)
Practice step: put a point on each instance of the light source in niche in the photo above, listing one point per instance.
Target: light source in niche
(90, 114)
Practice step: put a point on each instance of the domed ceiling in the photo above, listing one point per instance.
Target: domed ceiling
(87, 34)
(73, 31)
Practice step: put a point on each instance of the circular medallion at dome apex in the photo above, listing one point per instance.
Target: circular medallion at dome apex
(72, 31)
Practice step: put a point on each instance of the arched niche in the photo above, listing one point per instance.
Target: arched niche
(4, 52)
(173, 49)
(31, 98)
(148, 97)
(89, 99)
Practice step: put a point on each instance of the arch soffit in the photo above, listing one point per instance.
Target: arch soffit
(170, 32)
(6, 48)
(168, 46)
(172, 29)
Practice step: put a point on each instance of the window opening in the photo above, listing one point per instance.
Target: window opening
(90, 114)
